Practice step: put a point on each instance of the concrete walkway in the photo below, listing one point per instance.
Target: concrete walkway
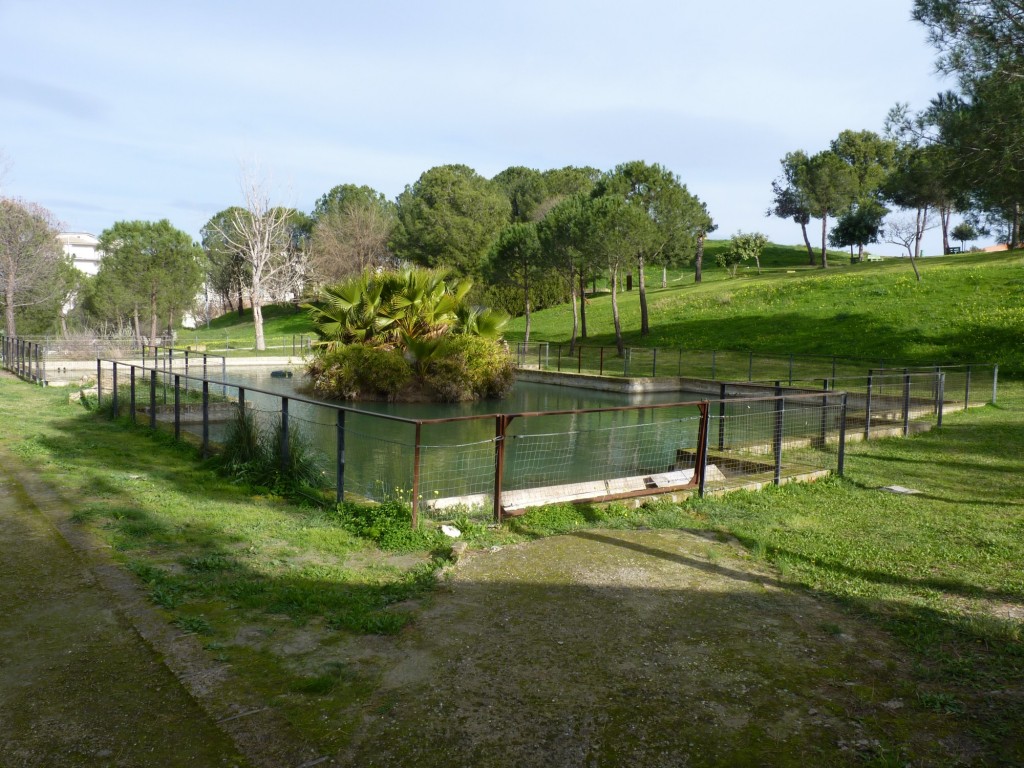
(78, 685)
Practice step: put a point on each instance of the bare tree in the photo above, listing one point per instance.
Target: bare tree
(907, 231)
(261, 234)
(30, 257)
(351, 239)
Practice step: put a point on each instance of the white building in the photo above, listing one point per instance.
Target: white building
(83, 248)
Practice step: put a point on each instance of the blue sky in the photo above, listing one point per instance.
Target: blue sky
(130, 110)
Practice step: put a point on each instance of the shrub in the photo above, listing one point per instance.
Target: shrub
(470, 368)
(357, 370)
(388, 524)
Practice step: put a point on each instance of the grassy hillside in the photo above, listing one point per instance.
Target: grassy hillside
(967, 308)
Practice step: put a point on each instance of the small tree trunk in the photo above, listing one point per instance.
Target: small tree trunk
(583, 307)
(1015, 232)
(945, 211)
(698, 258)
(615, 311)
(645, 321)
(922, 224)
(9, 308)
(807, 242)
(152, 317)
(257, 321)
(526, 304)
(138, 327)
(664, 276)
(824, 230)
(575, 312)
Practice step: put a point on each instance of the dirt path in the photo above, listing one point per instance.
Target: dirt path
(643, 648)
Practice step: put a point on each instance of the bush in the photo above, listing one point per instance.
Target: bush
(470, 368)
(357, 370)
(462, 368)
(388, 524)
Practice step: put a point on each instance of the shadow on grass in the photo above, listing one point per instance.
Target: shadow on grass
(203, 562)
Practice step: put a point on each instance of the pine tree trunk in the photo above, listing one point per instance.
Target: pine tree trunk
(807, 242)
(645, 322)
(615, 311)
(945, 211)
(583, 307)
(698, 258)
(575, 312)
(9, 328)
(824, 231)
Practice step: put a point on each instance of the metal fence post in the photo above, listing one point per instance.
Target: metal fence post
(99, 383)
(995, 382)
(777, 436)
(721, 416)
(131, 390)
(906, 403)
(152, 399)
(113, 411)
(654, 364)
(284, 434)
(824, 416)
(340, 468)
(177, 406)
(414, 502)
(842, 437)
(941, 398)
(625, 361)
(967, 390)
(600, 370)
(701, 469)
(867, 408)
(500, 430)
(206, 418)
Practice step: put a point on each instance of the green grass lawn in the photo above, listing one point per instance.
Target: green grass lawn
(939, 571)
(967, 309)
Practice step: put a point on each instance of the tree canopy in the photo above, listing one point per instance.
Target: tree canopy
(450, 217)
(149, 269)
(30, 259)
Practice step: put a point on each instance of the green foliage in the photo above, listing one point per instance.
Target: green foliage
(742, 246)
(254, 455)
(380, 332)
(31, 260)
(388, 525)
(149, 269)
(469, 368)
(358, 370)
(449, 218)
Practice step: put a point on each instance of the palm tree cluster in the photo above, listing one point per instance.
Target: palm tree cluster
(390, 309)
(407, 334)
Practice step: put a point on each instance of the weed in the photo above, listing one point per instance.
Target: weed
(197, 625)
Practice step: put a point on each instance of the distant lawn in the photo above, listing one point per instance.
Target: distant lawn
(968, 308)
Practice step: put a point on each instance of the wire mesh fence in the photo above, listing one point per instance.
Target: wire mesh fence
(499, 464)
(23, 358)
(977, 382)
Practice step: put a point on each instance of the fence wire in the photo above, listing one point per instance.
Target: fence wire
(479, 465)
